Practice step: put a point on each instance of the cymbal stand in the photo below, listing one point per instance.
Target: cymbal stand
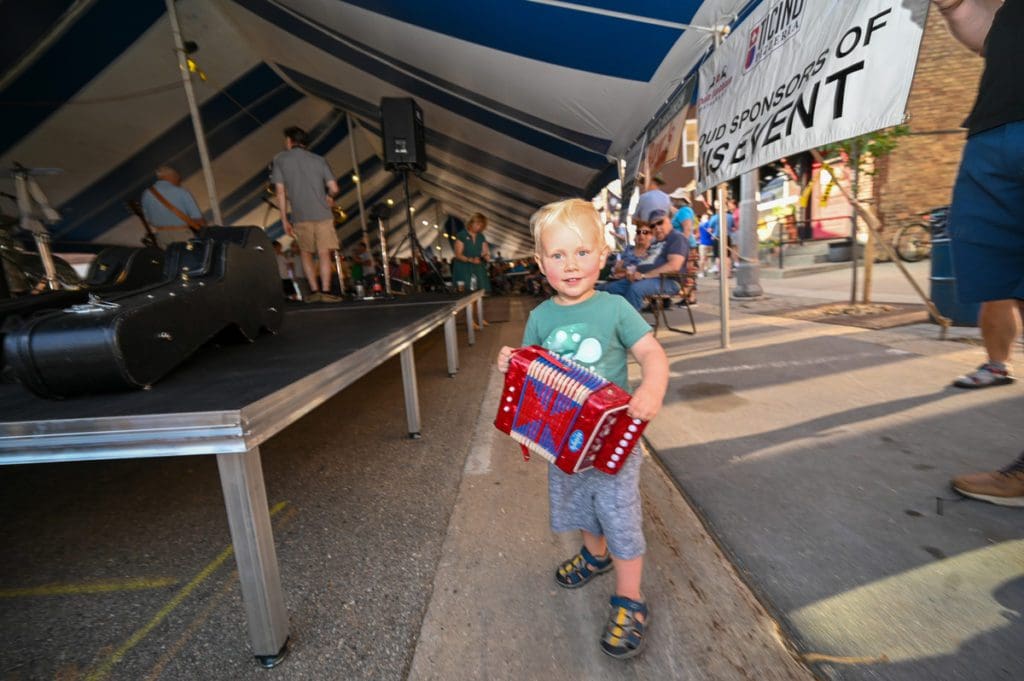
(29, 193)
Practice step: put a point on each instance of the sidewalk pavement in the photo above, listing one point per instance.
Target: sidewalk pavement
(888, 283)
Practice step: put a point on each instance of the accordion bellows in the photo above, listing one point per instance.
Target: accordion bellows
(566, 413)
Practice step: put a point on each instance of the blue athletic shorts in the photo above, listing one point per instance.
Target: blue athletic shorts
(601, 504)
(986, 221)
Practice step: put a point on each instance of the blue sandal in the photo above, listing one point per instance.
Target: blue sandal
(624, 634)
(581, 568)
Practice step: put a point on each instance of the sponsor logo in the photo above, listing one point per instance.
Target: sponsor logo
(751, 58)
(576, 441)
(780, 23)
(719, 84)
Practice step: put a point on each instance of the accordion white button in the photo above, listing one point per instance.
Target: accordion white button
(632, 428)
(507, 409)
(636, 421)
(612, 464)
(508, 399)
(623, 443)
(511, 388)
(628, 436)
(619, 450)
(615, 457)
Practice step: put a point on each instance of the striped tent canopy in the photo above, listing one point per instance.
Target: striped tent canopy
(525, 102)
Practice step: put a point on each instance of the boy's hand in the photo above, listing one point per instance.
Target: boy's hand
(644, 404)
(649, 395)
(504, 357)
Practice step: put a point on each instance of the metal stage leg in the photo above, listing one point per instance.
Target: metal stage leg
(480, 310)
(470, 331)
(451, 346)
(412, 400)
(245, 495)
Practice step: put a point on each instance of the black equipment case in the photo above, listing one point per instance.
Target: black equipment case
(224, 278)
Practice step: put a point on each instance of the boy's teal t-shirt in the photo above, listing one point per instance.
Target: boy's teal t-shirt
(596, 333)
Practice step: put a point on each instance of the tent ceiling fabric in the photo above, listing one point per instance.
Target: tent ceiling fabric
(525, 102)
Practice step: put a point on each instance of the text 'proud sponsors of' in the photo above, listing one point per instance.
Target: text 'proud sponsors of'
(797, 74)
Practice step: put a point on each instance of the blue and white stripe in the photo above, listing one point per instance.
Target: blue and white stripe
(525, 101)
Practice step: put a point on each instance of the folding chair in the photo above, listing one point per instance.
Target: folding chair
(662, 300)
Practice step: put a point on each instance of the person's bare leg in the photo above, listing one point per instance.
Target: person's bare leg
(310, 268)
(326, 264)
(628, 574)
(596, 544)
(1000, 328)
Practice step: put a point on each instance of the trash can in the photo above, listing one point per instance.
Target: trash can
(944, 286)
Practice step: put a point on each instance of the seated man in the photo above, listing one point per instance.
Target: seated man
(666, 255)
(170, 209)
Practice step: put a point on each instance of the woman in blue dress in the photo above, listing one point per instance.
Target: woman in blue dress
(471, 255)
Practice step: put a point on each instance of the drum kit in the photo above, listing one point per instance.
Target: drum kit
(23, 270)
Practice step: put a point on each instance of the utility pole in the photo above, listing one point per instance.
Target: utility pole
(748, 269)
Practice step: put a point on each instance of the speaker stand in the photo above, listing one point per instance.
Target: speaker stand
(414, 243)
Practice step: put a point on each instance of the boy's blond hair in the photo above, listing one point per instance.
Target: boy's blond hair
(576, 214)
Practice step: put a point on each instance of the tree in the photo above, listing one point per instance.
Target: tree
(862, 154)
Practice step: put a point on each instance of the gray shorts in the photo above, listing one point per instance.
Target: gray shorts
(601, 504)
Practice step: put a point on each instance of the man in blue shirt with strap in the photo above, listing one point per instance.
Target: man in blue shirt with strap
(170, 209)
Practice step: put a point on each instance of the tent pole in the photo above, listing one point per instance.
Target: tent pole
(723, 246)
(197, 123)
(723, 264)
(356, 177)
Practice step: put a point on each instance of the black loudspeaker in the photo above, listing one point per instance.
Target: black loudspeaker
(402, 132)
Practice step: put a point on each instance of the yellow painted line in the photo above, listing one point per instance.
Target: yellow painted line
(204, 614)
(103, 669)
(89, 587)
(192, 628)
(834, 659)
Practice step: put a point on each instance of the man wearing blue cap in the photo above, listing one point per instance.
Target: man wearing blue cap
(666, 255)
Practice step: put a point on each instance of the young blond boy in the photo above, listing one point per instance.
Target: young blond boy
(596, 329)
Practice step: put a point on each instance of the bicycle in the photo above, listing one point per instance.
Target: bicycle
(913, 242)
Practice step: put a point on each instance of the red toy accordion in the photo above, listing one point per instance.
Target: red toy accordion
(566, 413)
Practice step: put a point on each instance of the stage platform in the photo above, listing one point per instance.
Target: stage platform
(229, 399)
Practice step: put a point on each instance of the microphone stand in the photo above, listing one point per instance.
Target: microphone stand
(384, 256)
(413, 243)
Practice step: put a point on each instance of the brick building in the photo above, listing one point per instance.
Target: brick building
(919, 174)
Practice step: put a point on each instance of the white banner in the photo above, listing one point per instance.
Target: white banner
(798, 74)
